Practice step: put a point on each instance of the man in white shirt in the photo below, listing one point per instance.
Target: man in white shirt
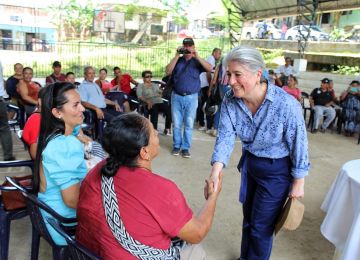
(205, 79)
(284, 71)
(5, 134)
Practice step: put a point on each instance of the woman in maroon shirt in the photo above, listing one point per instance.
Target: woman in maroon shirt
(142, 205)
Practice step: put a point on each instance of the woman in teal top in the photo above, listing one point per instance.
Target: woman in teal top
(60, 164)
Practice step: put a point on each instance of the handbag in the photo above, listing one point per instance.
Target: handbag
(13, 200)
(166, 93)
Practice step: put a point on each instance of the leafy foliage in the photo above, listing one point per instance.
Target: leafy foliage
(347, 70)
(338, 34)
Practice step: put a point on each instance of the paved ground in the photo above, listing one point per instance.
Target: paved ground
(327, 153)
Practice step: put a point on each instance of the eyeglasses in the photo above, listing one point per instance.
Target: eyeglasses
(148, 76)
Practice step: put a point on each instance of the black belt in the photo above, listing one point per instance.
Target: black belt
(183, 93)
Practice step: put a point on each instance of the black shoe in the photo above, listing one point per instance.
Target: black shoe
(175, 151)
(185, 154)
(12, 158)
(314, 131)
(322, 130)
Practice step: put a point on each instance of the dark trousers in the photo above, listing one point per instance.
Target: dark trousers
(268, 183)
(109, 113)
(200, 117)
(5, 134)
(154, 114)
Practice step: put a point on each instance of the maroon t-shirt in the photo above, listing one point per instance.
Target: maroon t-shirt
(52, 78)
(152, 208)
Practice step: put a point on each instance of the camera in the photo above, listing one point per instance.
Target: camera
(183, 51)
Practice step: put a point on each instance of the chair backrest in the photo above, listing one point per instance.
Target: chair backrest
(305, 100)
(77, 250)
(34, 205)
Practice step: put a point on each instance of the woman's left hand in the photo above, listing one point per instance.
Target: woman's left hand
(84, 138)
(297, 188)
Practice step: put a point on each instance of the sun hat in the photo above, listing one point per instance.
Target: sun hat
(291, 215)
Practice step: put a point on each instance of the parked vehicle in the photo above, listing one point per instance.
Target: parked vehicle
(316, 34)
(272, 31)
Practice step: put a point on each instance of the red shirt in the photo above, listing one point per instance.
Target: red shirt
(31, 130)
(152, 208)
(124, 83)
(53, 78)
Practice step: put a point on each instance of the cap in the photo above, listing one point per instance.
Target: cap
(188, 41)
(291, 215)
(325, 80)
(56, 64)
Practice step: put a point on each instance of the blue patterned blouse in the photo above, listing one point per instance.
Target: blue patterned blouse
(275, 131)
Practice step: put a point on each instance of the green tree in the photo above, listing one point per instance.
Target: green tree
(73, 16)
(178, 10)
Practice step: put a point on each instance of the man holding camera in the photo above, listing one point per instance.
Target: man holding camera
(185, 69)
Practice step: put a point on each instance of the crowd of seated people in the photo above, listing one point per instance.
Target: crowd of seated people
(350, 103)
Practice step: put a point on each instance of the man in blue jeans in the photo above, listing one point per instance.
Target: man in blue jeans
(185, 69)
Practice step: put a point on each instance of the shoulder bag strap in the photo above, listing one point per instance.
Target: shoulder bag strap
(113, 218)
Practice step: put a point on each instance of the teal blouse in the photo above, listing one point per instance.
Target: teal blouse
(63, 165)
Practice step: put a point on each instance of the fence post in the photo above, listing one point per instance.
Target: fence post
(79, 54)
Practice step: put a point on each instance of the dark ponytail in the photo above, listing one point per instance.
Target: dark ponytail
(123, 139)
(50, 126)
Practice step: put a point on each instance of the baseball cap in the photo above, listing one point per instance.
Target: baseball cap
(188, 41)
(56, 64)
(325, 80)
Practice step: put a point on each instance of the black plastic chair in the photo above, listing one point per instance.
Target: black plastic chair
(92, 125)
(39, 228)
(6, 216)
(77, 250)
(305, 103)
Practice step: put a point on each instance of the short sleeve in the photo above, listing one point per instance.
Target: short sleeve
(32, 129)
(139, 90)
(83, 93)
(172, 211)
(63, 160)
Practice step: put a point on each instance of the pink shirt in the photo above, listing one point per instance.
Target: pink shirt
(295, 92)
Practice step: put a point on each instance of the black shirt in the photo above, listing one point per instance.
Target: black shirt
(321, 98)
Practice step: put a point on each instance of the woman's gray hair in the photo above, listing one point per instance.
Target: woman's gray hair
(247, 56)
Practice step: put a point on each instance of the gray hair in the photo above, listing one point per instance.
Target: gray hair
(87, 68)
(247, 56)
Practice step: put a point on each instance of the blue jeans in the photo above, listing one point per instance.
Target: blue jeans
(183, 110)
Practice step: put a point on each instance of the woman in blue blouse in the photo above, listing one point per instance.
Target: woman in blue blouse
(274, 162)
(60, 164)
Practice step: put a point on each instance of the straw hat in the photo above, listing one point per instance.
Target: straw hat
(291, 215)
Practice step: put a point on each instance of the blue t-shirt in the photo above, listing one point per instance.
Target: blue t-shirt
(186, 76)
(63, 166)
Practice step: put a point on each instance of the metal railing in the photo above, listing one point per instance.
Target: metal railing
(74, 56)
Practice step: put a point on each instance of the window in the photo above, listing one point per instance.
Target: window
(325, 18)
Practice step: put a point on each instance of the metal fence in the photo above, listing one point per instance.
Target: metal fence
(74, 56)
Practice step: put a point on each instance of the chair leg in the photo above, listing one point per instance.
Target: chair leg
(4, 234)
(61, 253)
(35, 244)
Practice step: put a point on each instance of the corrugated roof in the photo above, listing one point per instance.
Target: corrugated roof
(257, 9)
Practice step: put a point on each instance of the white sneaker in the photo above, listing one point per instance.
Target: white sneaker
(214, 133)
(202, 128)
(208, 131)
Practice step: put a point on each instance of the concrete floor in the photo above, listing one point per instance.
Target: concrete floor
(327, 153)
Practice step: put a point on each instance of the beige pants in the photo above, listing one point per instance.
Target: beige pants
(193, 252)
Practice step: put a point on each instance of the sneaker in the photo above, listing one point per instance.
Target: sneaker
(214, 133)
(167, 132)
(202, 128)
(175, 151)
(314, 131)
(185, 154)
(322, 130)
(209, 131)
